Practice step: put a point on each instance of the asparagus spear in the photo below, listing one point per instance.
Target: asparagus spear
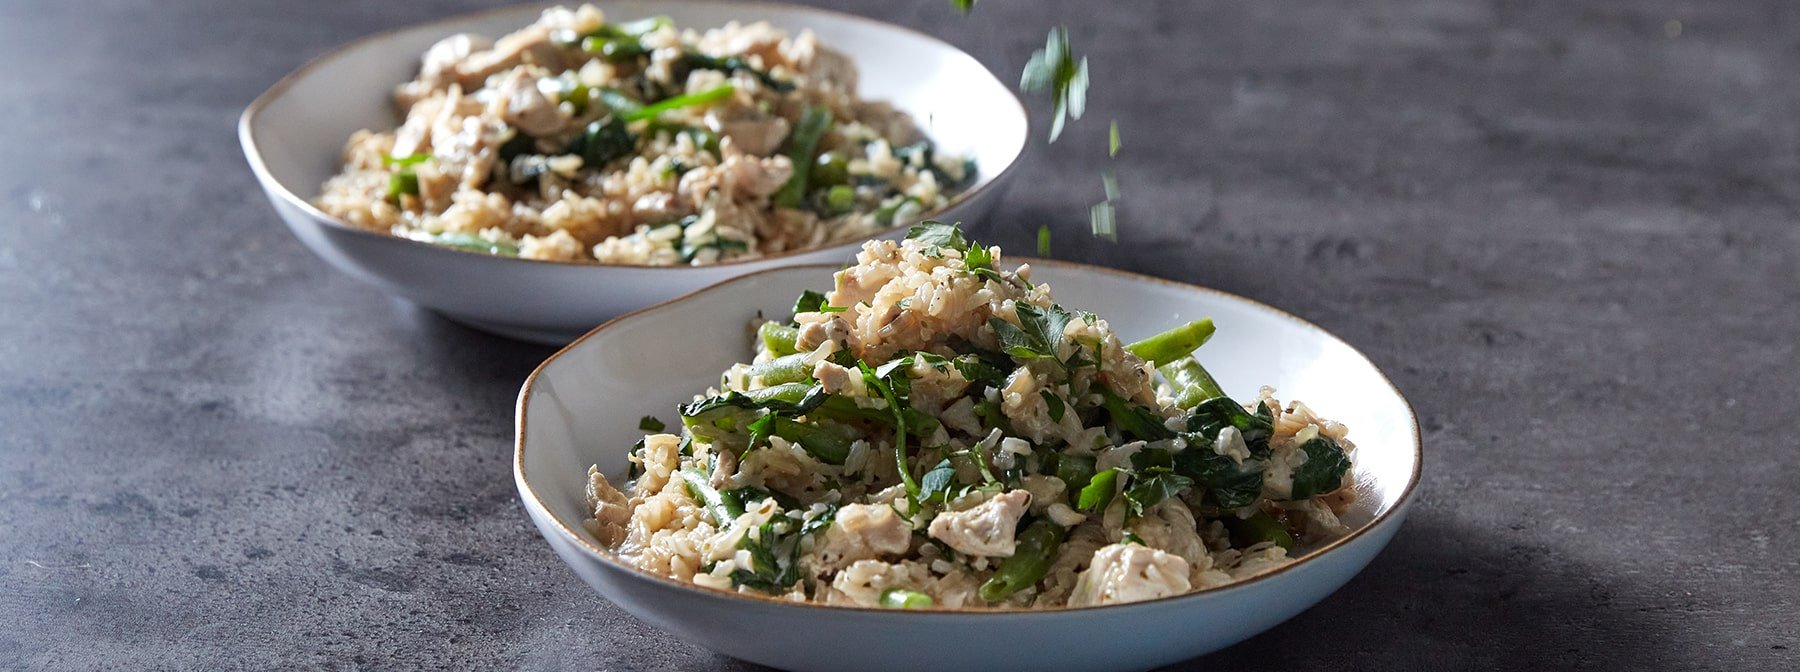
(785, 369)
(1173, 344)
(724, 510)
(901, 598)
(778, 338)
(1191, 382)
(830, 447)
(1030, 560)
(802, 145)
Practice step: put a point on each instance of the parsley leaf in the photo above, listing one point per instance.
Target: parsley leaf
(939, 234)
(649, 423)
(1149, 489)
(1099, 491)
(986, 368)
(814, 302)
(1038, 334)
(809, 302)
(936, 484)
(1054, 404)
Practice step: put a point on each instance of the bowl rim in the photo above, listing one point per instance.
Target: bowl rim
(253, 153)
(532, 499)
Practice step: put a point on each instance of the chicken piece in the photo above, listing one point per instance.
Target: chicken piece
(527, 108)
(750, 129)
(835, 379)
(741, 178)
(830, 68)
(1170, 525)
(438, 67)
(528, 45)
(748, 177)
(987, 528)
(877, 264)
(1130, 573)
(890, 122)
(612, 510)
(862, 532)
(833, 328)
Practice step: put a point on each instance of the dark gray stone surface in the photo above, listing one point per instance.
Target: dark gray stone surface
(1567, 229)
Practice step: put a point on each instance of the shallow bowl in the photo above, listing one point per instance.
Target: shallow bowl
(582, 406)
(293, 135)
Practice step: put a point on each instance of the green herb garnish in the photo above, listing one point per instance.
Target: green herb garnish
(1054, 68)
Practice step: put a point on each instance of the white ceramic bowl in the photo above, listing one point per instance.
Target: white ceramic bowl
(581, 407)
(293, 135)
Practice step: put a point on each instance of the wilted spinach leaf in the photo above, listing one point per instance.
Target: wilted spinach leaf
(1324, 468)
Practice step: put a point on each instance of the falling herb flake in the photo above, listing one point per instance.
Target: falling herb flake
(1110, 184)
(1055, 69)
(1101, 217)
(964, 6)
(1043, 249)
(1112, 143)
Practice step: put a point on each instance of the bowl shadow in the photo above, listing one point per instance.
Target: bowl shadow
(1447, 595)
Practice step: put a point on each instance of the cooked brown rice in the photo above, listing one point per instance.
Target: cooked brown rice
(547, 144)
(1007, 414)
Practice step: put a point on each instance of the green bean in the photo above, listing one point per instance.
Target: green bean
(1173, 344)
(901, 598)
(830, 447)
(616, 101)
(802, 144)
(614, 50)
(831, 169)
(785, 369)
(1258, 528)
(840, 198)
(1030, 561)
(725, 511)
(789, 392)
(1190, 381)
(778, 338)
(711, 95)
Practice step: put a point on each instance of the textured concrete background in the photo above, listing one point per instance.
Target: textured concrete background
(1567, 229)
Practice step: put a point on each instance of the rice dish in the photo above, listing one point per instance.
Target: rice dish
(936, 431)
(581, 139)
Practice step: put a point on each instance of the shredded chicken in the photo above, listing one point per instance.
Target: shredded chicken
(527, 108)
(1130, 573)
(985, 530)
(861, 532)
(612, 510)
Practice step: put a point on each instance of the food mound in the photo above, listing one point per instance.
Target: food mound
(579, 139)
(937, 432)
